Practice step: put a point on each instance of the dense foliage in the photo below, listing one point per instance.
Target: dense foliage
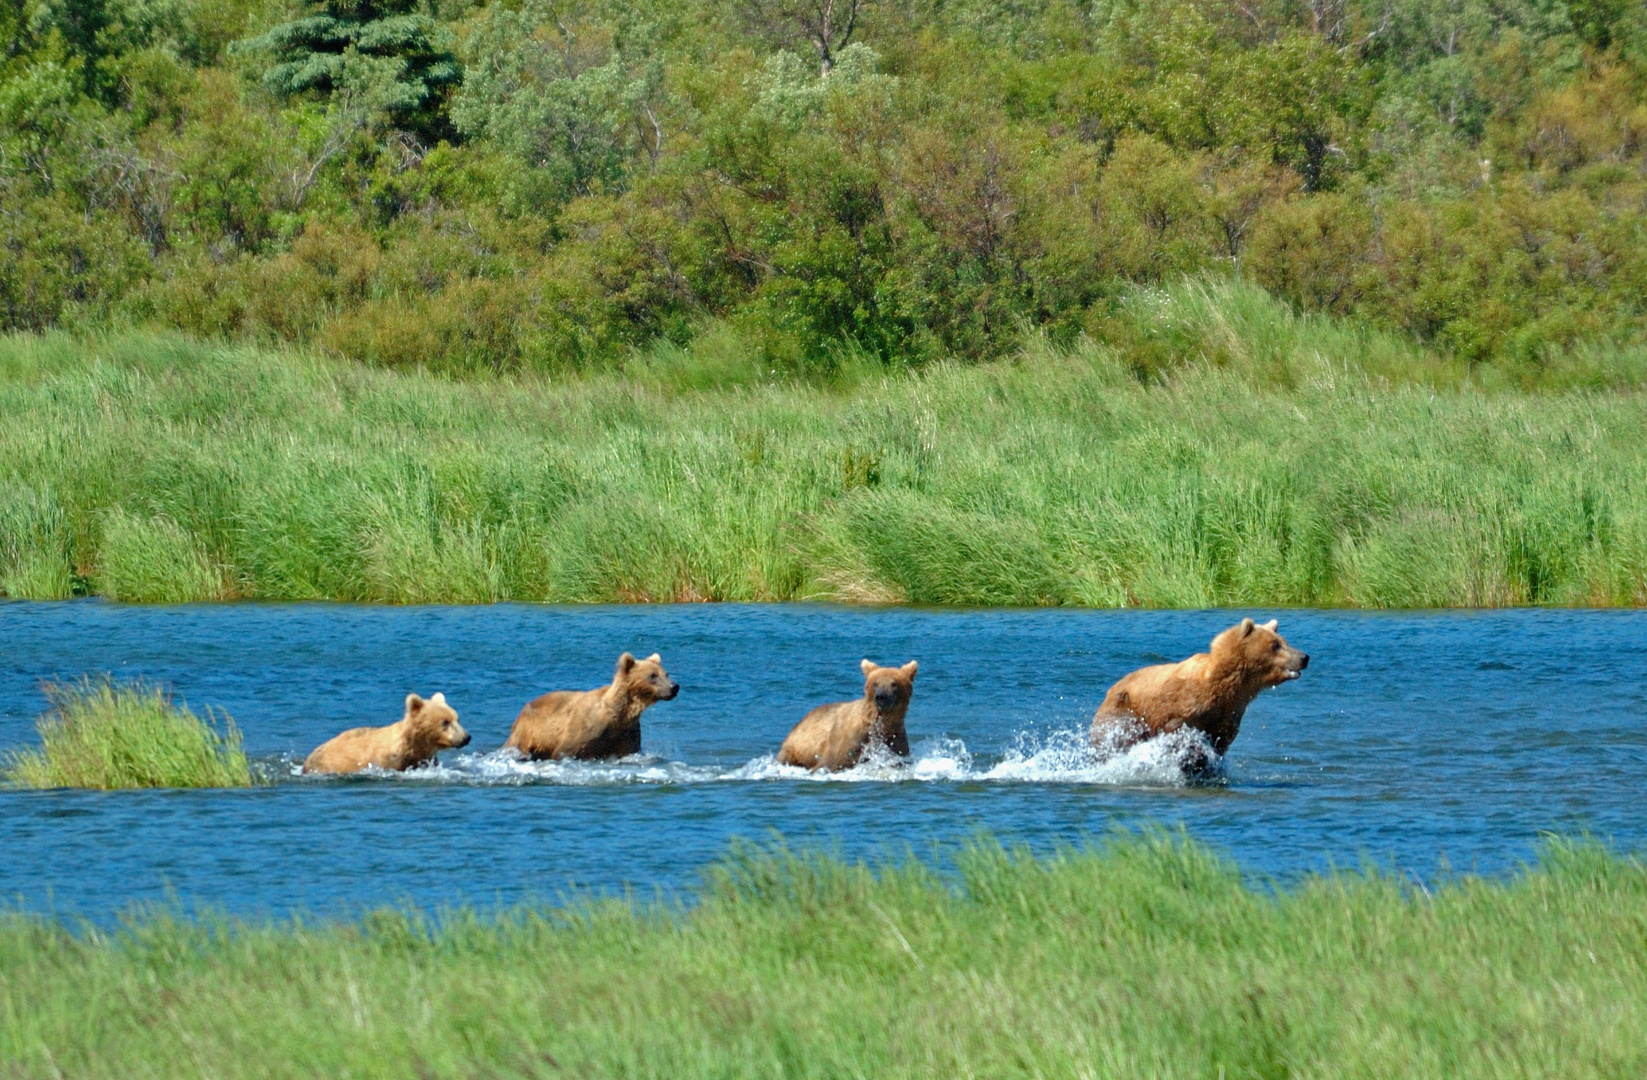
(520, 185)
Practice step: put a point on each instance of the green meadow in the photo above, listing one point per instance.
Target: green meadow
(1139, 957)
(1215, 449)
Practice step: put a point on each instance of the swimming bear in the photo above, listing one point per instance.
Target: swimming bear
(1209, 692)
(426, 728)
(589, 724)
(837, 736)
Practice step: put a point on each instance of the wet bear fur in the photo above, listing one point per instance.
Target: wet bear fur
(1209, 692)
(591, 724)
(838, 736)
(427, 728)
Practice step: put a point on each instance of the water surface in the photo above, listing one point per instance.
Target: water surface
(1420, 741)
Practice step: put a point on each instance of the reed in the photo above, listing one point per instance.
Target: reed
(1138, 956)
(107, 736)
(1215, 449)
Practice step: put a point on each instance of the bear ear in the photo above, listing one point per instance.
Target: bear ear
(1246, 627)
(867, 665)
(438, 699)
(414, 704)
(1270, 626)
(909, 668)
(626, 663)
(654, 659)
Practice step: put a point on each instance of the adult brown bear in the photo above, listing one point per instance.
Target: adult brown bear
(1209, 692)
(590, 724)
(837, 736)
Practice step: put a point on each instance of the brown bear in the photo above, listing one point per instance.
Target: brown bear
(599, 723)
(427, 728)
(1208, 692)
(838, 736)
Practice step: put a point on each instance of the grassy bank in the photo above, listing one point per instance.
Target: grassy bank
(102, 735)
(1219, 451)
(1144, 958)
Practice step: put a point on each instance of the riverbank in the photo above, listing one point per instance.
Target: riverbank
(1237, 457)
(1143, 956)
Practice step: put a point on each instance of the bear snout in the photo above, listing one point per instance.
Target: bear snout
(463, 741)
(669, 694)
(1294, 670)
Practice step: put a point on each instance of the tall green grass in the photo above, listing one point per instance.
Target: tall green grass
(1213, 449)
(106, 736)
(1140, 957)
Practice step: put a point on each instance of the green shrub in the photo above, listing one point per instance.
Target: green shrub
(61, 265)
(966, 178)
(106, 736)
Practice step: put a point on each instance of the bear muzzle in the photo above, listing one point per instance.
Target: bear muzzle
(464, 741)
(673, 689)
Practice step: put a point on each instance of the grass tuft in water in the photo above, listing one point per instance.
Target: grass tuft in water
(1142, 956)
(106, 736)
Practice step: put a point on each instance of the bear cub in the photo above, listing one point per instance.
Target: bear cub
(427, 728)
(834, 737)
(591, 724)
(1209, 692)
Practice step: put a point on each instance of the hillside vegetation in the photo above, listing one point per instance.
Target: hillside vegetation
(525, 186)
(1144, 957)
(1294, 461)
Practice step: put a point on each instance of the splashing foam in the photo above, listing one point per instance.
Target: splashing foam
(939, 758)
(1061, 757)
(1069, 757)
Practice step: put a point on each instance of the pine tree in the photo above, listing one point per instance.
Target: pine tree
(312, 55)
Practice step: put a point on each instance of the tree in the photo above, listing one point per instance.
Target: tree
(567, 102)
(313, 54)
(826, 25)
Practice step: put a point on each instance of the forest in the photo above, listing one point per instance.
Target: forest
(473, 188)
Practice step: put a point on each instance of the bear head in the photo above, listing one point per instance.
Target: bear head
(645, 679)
(1261, 655)
(434, 722)
(888, 688)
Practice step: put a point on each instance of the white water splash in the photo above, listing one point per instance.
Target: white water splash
(1068, 757)
(1061, 757)
(937, 758)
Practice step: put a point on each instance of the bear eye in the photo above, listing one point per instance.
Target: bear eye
(1275, 646)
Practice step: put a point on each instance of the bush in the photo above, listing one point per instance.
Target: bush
(106, 736)
(967, 178)
(60, 266)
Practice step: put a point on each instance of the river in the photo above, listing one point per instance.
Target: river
(1426, 743)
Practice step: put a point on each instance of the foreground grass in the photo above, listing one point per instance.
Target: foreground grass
(1146, 957)
(1219, 451)
(105, 736)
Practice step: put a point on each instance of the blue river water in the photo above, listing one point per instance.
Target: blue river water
(1426, 743)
